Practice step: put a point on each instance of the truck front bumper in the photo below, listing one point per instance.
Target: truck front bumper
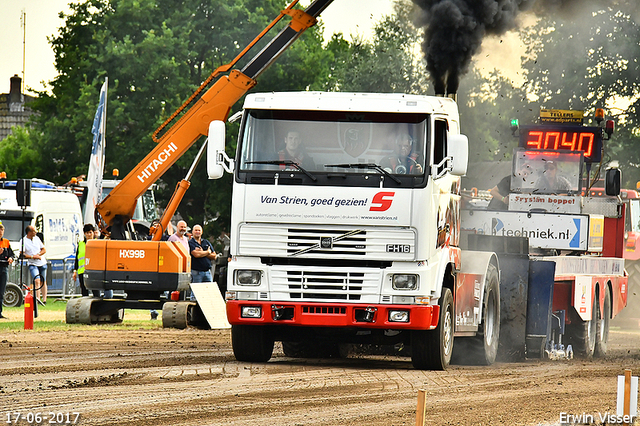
(400, 317)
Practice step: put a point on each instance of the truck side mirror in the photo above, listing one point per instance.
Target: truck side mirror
(458, 150)
(217, 159)
(612, 179)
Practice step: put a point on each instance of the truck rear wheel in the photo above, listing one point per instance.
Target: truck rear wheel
(602, 328)
(483, 347)
(431, 349)
(582, 334)
(251, 343)
(12, 296)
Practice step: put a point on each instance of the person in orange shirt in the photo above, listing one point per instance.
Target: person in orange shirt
(6, 259)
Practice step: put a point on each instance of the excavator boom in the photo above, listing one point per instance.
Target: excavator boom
(215, 104)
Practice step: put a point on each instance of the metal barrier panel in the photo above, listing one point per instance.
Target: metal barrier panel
(60, 281)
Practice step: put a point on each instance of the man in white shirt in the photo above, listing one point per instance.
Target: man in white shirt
(33, 250)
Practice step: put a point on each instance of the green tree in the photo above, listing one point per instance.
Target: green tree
(387, 63)
(19, 154)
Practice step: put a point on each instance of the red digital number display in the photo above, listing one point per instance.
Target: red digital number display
(585, 139)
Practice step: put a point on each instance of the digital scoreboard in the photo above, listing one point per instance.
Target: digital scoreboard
(564, 138)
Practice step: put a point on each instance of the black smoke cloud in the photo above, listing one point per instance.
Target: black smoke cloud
(454, 30)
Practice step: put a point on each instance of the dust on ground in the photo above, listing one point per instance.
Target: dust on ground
(190, 377)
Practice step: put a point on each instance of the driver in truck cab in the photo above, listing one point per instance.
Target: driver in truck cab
(294, 151)
(550, 182)
(404, 160)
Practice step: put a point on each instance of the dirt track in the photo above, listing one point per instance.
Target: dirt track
(190, 377)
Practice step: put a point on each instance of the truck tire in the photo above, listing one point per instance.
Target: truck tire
(251, 343)
(483, 347)
(582, 334)
(431, 349)
(602, 328)
(12, 296)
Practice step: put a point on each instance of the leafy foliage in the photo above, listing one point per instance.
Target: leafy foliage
(388, 63)
(19, 154)
(590, 61)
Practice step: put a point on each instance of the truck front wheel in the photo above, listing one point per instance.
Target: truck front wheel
(483, 347)
(251, 343)
(431, 349)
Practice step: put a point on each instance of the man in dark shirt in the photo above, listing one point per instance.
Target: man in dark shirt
(500, 192)
(202, 254)
(294, 151)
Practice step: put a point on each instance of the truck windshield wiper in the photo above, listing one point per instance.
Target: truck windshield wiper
(370, 166)
(285, 163)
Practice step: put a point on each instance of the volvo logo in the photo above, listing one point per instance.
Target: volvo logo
(326, 242)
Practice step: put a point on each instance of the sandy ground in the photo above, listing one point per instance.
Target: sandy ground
(190, 377)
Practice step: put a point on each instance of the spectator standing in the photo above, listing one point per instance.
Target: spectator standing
(6, 258)
(78, 267)
(34, 253)
(202, 254)
(180, 235)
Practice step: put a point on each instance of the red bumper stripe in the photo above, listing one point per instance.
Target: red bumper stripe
(335, 315)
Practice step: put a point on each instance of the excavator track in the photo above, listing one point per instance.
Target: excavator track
(92, 310)
(182, 314)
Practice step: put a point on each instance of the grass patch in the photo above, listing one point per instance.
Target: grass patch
(51, 317)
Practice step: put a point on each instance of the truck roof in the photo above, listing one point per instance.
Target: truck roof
(364, 102)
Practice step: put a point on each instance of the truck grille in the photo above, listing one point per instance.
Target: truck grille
(325, 284)
(327, 242)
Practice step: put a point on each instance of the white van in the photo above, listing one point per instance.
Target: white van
(55, 213)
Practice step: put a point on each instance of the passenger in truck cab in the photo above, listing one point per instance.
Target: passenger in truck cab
(404, 160)
(550, 182)
(500, 192)
(294, 151)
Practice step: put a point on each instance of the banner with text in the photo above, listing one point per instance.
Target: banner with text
(290, 204)
(544, 230)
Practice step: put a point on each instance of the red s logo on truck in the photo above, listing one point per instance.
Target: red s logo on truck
(384, 199)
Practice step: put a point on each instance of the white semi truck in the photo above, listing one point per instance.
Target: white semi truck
(357, 236)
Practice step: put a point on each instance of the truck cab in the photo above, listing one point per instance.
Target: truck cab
(345, 228)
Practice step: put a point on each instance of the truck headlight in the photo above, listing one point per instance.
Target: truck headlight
(248, 277)
(398, 316)
(251, 312)
(404, 281)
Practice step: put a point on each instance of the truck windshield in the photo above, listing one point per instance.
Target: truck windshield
(322, 141)
(546, 172)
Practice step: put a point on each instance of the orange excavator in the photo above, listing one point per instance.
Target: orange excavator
(146, 270)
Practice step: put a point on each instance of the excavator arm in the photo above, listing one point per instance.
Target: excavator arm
(214, 104)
